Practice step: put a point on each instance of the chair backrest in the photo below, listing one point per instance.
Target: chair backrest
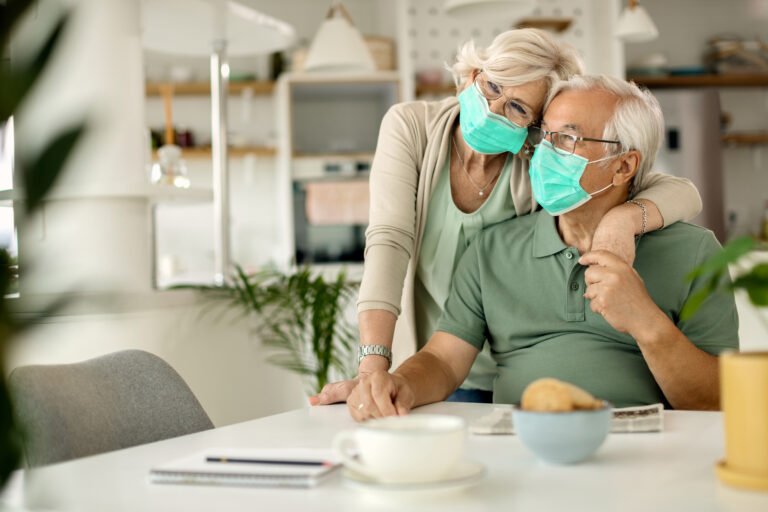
(115, 401)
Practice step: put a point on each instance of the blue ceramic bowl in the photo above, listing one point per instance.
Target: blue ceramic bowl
(563, 437)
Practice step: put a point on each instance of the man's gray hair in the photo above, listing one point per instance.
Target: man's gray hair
(517, 57)
(637, 120)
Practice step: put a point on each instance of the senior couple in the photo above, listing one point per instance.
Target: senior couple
(562, 292)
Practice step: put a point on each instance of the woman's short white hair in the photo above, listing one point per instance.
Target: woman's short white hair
(637, 120)
(517, 57)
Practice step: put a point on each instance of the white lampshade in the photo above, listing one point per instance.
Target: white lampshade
(338, 46)
(489, 9)
(635, 25)
(187, 27)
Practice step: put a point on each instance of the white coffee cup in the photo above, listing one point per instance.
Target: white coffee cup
(399, 449)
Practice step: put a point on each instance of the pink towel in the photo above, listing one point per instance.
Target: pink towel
(334, 203)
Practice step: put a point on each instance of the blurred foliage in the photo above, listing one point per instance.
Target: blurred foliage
(36, 173)
(300, 316)
(714, 273)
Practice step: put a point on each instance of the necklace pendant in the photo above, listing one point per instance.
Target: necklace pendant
(481, 193)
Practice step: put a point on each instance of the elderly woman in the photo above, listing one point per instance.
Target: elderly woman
(444, 170)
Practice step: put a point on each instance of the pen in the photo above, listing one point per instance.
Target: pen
(239, 460)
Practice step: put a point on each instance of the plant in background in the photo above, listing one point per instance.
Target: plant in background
(715, 270)
(301, 317)
(36, 172)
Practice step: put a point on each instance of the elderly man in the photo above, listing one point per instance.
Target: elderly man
(551, 308)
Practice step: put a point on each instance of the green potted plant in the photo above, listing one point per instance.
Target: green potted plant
(300, 316)
(715, 270)
(35, 172)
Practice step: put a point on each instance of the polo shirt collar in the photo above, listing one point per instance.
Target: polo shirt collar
(546, 239)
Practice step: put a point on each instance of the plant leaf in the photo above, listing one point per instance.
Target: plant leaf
(20, 79)
(11, 12)
(731, 252)
(755, 282)
(40, 174)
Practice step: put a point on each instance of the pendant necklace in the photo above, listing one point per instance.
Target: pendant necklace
(480, 190)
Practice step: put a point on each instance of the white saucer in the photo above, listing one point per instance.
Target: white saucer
(466, 474)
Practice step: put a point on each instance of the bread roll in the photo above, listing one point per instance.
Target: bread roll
(552, 395)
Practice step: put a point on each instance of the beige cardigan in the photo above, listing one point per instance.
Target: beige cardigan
(414, 142)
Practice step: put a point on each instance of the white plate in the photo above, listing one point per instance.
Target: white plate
(466, 474)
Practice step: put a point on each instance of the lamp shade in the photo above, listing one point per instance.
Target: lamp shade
(489, 9)
(188, 27)
(338, 45)
(635, 25)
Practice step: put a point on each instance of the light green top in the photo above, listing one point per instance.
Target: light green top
(447, 235)
(521, 288)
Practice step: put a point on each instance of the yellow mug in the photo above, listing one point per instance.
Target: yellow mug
(744, 401)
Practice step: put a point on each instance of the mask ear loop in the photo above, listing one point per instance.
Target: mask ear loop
(593, 194)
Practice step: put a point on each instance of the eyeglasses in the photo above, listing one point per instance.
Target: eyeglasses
(564, 143)
(514, 111)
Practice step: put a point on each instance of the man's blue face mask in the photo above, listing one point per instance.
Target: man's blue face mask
(555, 179)
(485, 131)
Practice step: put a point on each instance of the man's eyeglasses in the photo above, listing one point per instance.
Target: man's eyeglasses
(514, 111)
(564, 143)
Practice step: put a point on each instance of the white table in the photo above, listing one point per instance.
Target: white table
(672, 470)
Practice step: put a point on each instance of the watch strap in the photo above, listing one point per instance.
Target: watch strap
(374, 350)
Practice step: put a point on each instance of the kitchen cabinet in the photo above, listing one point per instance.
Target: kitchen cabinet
(328, 130)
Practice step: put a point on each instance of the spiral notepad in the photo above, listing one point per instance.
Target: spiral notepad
(248, 468)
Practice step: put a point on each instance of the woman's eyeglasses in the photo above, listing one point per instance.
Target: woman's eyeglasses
(514, 111)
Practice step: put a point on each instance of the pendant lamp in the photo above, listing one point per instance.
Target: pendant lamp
(635, 24)
(338, 45)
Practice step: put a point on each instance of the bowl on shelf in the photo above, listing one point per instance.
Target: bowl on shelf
(563, 437)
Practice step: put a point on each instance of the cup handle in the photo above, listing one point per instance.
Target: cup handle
(343, 443)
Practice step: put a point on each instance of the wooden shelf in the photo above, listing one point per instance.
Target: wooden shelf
(436, 89)
(745, 138)
(660, 82)
(334, 156)
(544, 23)
(204, 88)
(193, 153)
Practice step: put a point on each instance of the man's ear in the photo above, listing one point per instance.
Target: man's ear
(629, 163)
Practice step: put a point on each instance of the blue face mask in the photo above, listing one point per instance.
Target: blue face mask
(485, 131)
(555, 179)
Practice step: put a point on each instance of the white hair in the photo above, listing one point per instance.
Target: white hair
(517, 57)
(637, 121)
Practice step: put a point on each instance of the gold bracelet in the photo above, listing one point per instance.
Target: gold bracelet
(645, 216)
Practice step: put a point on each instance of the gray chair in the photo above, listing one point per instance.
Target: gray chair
(115, 401)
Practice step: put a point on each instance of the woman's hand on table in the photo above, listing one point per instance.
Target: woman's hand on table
(380, 394)
(338, 392)
(334, 392)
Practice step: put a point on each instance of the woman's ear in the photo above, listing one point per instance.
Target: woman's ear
(628, 166)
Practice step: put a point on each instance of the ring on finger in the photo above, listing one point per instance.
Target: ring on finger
(360, 407)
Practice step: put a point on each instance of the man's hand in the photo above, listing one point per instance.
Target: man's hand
(617, 292)
(380, 394)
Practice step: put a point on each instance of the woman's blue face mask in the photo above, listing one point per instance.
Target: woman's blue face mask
(485, 131)
(555, 179)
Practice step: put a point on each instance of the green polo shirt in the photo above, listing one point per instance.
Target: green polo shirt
(519, 286)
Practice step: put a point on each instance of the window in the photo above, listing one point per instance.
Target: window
(8, 235)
